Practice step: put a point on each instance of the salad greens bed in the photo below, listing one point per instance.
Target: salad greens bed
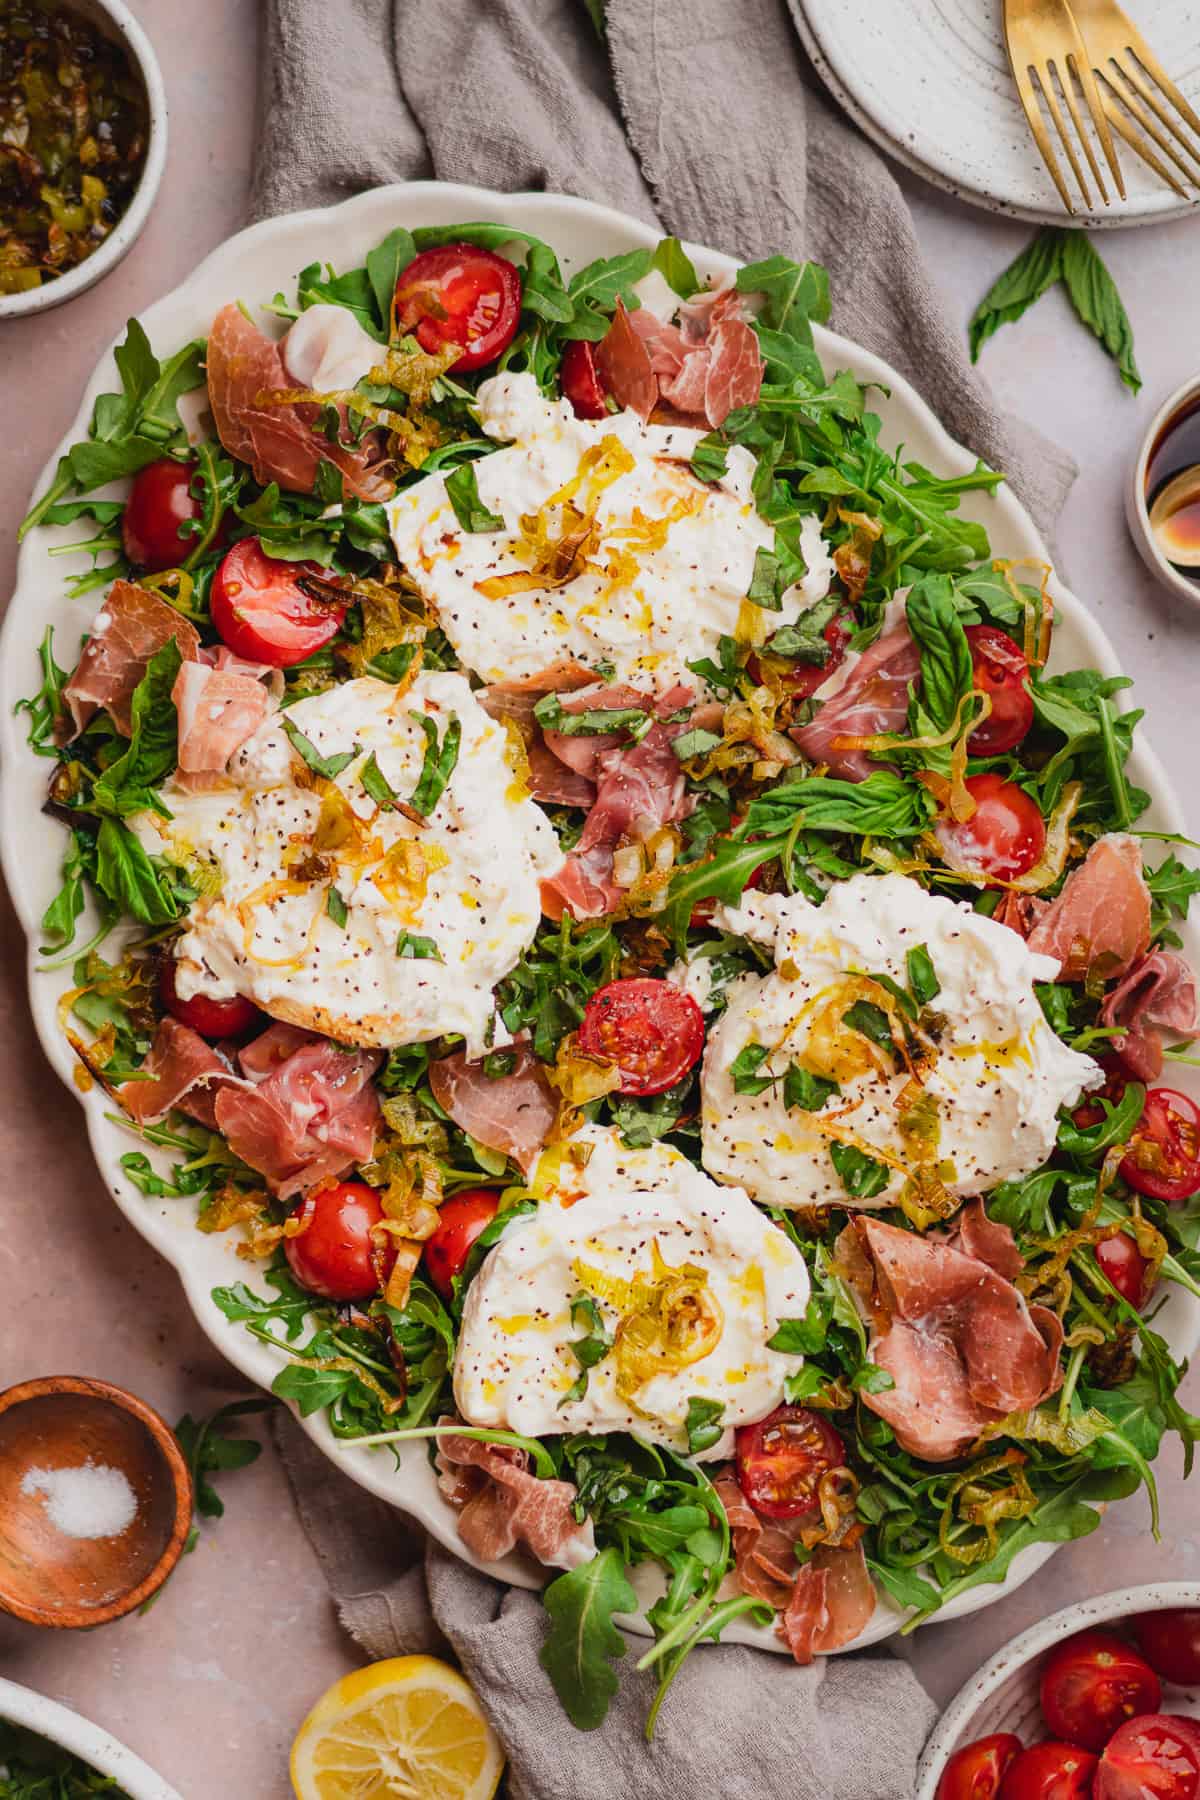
(32, 1768)
(382, 1373)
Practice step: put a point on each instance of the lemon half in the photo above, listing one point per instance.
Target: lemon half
(405, 1729)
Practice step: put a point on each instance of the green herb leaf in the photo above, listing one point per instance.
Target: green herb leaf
(377, 785)
(860, 1175)
(694, 743)
(703, 1424)
(1096, 300)
(440, 761)
(210, 1450)
(462, 489)
(1034, 272)
(582, 1639)
(922, 981)
(551, 715)
(744, 1070)
(336, 907)
(411, 946)
(710, 458)
(946, 670)
(326, 766)
(806, 1336)
(795, 294)
(675, 266)
(806, 1091)
(125, 786)
(384, 265)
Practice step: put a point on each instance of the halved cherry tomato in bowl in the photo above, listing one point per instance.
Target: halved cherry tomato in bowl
(1093, 1683)
(331, 1255)
(1163, 1158)
(581, 383)
(1152, 1758)
(460, 294)
(1170, 1642)
(460, 1221)
(781, 1459)
(649, 1028)
(976, 1771)
(1000, 671)
(263, 613)
(1049, 1772)
(1004, 837)
(1126, 1267)
(211, 1018)
(160, 501)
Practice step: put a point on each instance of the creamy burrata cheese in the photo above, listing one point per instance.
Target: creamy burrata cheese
(327, 905)
(665, 578)
(973, 1101)
(656, 1249)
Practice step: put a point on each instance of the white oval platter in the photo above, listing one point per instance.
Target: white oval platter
(252, 267)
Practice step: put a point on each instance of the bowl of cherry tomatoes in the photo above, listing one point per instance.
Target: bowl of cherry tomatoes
(1099, 1702)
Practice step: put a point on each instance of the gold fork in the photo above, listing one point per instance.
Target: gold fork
(1049, 58)
(1126, 67)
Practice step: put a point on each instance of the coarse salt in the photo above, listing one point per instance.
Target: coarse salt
(90, 1501)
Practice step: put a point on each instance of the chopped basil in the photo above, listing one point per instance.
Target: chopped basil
(807, 1091)
(588, 1350)
(462, 490)
(377, 784)
(694, 743)
(410, 947)
(860, 1174)
(922, 980)
(744, 1070)
(499, 1063)
(764, 583)
(335, 906)
(805, 641)
(710, 458)
(871, 1020)
(551, 715)
(326, 766)
(440, 760)
(703, 1424)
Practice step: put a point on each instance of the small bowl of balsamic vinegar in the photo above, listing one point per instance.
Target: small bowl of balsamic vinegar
(1163, 498)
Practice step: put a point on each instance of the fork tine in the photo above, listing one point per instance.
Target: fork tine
(1137, 143)
(1046, 74)
(1068, 88)
(1127, 98)
(1037, 124)
(1139, 48)
(1080, 64)
(1130, 72)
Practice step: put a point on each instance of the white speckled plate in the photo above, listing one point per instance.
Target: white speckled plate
(71, 1731)
(251, 267)
(929, 80)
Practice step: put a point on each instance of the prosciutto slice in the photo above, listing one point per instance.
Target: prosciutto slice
(764, 1550)
(706, 366)
(131, 626)
(832, 1602)
(987, 1239)
(277, 441)
(1158, 994)
(308, 1120)
(183, 1070)
(623, 365)
(502, 1504)
(219, 706)
(1100, 922)
(873, 699)
(511, 1113)
(961, 1345)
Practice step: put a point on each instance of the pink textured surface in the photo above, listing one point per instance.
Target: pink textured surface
(210, 1686)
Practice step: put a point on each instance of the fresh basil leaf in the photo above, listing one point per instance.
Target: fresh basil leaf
(129, 878)
(1094, 296)
(463, 492)
(806, 1091)
(676, 268)
(410, 946)
(805, 640)
(336, 907)
(922, 980)
(125, 786)
(703, 1424)
(384, 266)
(871, 1021)
(377, 785)
(710, 458)
(743, 1069)
(583, 1639)
(946, 669)
(439, 764)
(861, 1176)
(695, 742)
(551, 715)
(764, 583)
(1034, 272)
(328, 767)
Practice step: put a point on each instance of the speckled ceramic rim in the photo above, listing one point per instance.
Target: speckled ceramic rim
(128, 228)
(22, 1706)
(1138, 513)
(955, 1723)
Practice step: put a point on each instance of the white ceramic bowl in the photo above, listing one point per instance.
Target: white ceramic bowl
(115, 18)
(21, 1706)
(1003, 1695)
(1137, 512)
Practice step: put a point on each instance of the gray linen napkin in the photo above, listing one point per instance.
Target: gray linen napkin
(703, 116)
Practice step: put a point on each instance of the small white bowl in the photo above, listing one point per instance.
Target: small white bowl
(115, 18)
(21, 1706)
(1003, 1695)
(1138, 513)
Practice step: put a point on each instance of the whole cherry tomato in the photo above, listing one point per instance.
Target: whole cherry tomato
(1163, 1158)
(160, 501)
(1003, 838)
(1049, 1772)
(1170, 1642)
(581, 383)
(460, 294)
(1155, 1758)
(781, 1459)
(211, 1018)
(331, 1254)
(1000, 671)
(650, 1029)
(1093, 1683)
(263, 613)
(460, 1222)
(976, 1771)
(1126, 1268)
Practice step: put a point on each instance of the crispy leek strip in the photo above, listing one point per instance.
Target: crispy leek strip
(981, 1509)
(1038, 614)
(249, 1208)
(668, 1319)
(852, 560)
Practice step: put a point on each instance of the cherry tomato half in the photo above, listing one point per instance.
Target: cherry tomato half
(1155, 1758)
(581, 383)
(211, 1018)
(460, 1222)
(1170, 1642)
(976, 1771)
(1049, 1772)
(263, 613)
(1000, 671)
(1003, 838)
(331, 1254)
(1163, 1159)
(649, 1028)
(160, 501)
(1126, 1268)
(1093, 1683)
(460, 294)
(780, 1461)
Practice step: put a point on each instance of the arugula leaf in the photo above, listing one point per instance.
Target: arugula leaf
(463, 492)
(794, 294)
(410, 945)
(326, 766)
(1038, 268)
(1172, 885)
(439, 764)
(46, 707)
(609, 279)
(860, 1175)
(676, 268)
(1116, 1127)
(806, 1336)
(210, 1450)
(906, 1587)
(643, 1121)
(290, 1304)
(703, 1424)
(582, 1638)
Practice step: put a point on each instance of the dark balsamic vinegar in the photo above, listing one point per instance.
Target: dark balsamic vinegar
(1178, 448)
